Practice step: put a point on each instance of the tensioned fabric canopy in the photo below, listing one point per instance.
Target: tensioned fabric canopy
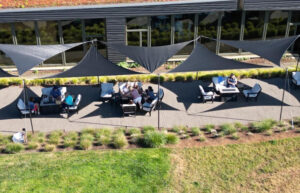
(271, 50)
(26, 57)
(202, 59)
(4, 74)
(150, 57)
(94, 64)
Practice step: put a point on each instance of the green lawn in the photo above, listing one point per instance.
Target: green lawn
(258, 167)
(143, 170)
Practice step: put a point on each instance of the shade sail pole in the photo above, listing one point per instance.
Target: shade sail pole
(283, 93)
(26, 97)
(158, 93)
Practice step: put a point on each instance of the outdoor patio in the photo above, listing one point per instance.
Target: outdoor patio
(180, 106)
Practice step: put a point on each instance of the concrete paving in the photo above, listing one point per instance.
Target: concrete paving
(181, 106)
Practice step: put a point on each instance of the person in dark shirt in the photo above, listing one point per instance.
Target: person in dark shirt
(150, 94)
(231, 81)
(55, 93)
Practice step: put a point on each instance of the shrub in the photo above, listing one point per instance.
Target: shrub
(228, 129)
(88, 130)
(4, 139)
(235, 136)
(209, 127)
(85, 144)
(71, 135)
(154, 79)
(180, 129)
(13, 148)
(244, 128)
(148, 129)
(69, 142)
(202, 138)
(103, 136)
(134, 131)
(172, 138)
(54, 138)
(179, 78)
(189, 77)
(32, 145)
(87, 136)
(49, 148)
(268, 132)
(136, 138)
(119, 140)
(263, 126)
(238, 125)
(195, 131)
(154, 139)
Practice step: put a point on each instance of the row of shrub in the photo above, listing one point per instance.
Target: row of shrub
(205, 75)
(147, 136)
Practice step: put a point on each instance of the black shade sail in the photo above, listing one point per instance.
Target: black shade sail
(4, 74)
(149, 57)
(202, 59)
(271, 50)
(26, 57)
(94, 64)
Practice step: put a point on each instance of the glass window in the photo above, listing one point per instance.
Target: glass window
(137, 28)
(277, 24)
(161, 30)
(231, 23)
(5, 38)
(208, 23)
(95, 28)
(25, 33)
(48, 31)
(72, 33)
(184, 31)
(295, 30)
(254, 25)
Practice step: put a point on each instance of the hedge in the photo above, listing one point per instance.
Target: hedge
(204, 75)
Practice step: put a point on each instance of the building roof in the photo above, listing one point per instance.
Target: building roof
(57, 3)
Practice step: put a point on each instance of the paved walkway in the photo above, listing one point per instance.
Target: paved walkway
(180, 107)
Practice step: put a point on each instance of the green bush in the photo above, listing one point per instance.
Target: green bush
(13, 148)
(154, 79)
(235, 136)
(69, 142)
(87, 136)
(103, 136)
(238, 125)
(195, 131)
(263, 126)
(119, 140)
(88, 130)
(32, 145)
(154, 139)
(71, 135)
(269, 132)
(148, 128)
(85, 144)
(228, 129)
(202, 138)
(180, 129)
(244, 128)
(136, 139)
(135, 131)
(179, 78)
(49, 147)
(54, 138)
(4, 139)
(172, 138)
(209, 127)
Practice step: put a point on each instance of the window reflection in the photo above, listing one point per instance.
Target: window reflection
(184, 31)
(5, 38)
(254, 24)
(25, 33)
(161, 30)
(277, 24)
(208, 23)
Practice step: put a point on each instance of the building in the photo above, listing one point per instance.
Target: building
(147, 23)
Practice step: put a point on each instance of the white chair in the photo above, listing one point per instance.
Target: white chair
(206, 96)
(160, 96)
(296, 78)
(252, 93)
(74, 107)
(148, 107)
(106, 91)
(23, 109)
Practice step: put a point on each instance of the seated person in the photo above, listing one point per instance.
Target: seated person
(69, 101)
(20, 137)
(137, 98)
(124, 90)
(150, 94)
(136, 86)
(55, 93)
(231, 81)
(34, 106)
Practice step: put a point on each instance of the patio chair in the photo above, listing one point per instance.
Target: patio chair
(106, 91)
(74, 107)
(24, 110)
(296, 78)
(206, 96)
(252, 93)
(148, 107)
(128, 109)
(160, 98)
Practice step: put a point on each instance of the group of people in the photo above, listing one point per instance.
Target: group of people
(136, 94)
(55, 96)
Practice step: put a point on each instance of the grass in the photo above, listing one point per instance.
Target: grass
(237, 168)
(262, 126)
(155, 139)
(126, 171)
